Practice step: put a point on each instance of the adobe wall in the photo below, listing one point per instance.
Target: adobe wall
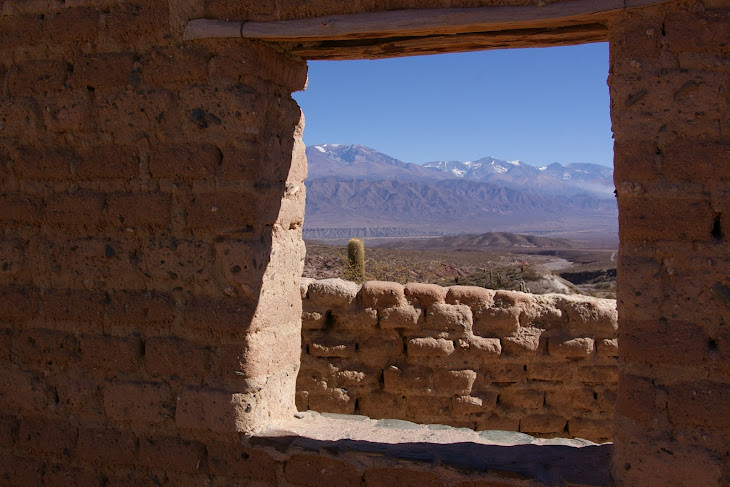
(669, 91)
(462, 356)
(151, 202)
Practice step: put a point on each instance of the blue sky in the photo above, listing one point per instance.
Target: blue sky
(536, 105)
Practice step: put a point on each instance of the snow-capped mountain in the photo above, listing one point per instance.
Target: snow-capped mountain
(553, 179)
(358, 188)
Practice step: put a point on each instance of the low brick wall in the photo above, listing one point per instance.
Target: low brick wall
(462, 356)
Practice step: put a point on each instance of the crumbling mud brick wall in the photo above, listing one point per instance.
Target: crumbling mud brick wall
(150, 203)
(669, 91)
(462, 356)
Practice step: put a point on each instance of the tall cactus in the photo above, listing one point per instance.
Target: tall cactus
(356, 260)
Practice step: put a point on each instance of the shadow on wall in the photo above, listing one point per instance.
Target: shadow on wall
(552, 465)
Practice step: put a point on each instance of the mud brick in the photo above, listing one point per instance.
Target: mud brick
(475, 297)
(138, 403)
(175, 65)
(60, 475)
(108, 162)
(135, 23)
(141, 309)
(316, 470)
(111, 354)
(268, 64)
(185, 161)
(18, 303)
(19, 119)
(169, 357)
(139, 209)
(325, 345)
(636, 160)
(381, 295)
(597, 374)
(681, 218)
(47, 163)
(333, 400)
(408, 317)
(45, 350)
(574, 348)
(429, 409)
(327, 294)
(74, 305)
(81, 208)
(172, 263)
(108, 446)
(690, 159)
(71, 26)
(430, 347)
(408, 380)
(455, 318)
(504, 371)
(21, 208)
(15, 470)
(498, 421)
(223, 211)
(607, 347)
(172, 454)
(213, 114)
(697, 403)
(107, 71)
(23, 390)
(636, 396)
(403, 477)
(47, 436)
(520, 397)
(236, 461)
(543, 424)
(127, 115)
(244, 162)
(219, 315)
(81, 399)
(598, 430)
(9, 427)
(377, 404)
(425, 294)
(569, 397)
(19, 30)
(68, 112)
(664, 342)
(36, 77)
(209, 409)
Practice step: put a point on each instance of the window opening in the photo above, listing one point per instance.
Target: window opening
(497, 150)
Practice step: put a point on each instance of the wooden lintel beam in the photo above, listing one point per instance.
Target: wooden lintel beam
(413, 23)
(409, 46)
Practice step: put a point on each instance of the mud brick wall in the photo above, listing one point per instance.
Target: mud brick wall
(151, 202)
(669, 90)
(462, 356)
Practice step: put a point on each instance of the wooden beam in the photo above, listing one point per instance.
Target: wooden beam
(415, 46)
(415, 23)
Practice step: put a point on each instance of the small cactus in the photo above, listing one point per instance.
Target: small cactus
(523, 288)
(356, 260)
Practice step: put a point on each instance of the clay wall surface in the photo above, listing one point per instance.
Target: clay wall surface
(461, 356)
(669, 89)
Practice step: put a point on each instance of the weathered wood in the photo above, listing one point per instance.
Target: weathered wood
(349, 50)
(417, 22)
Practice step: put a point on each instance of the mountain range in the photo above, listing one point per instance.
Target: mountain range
(354, 190)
